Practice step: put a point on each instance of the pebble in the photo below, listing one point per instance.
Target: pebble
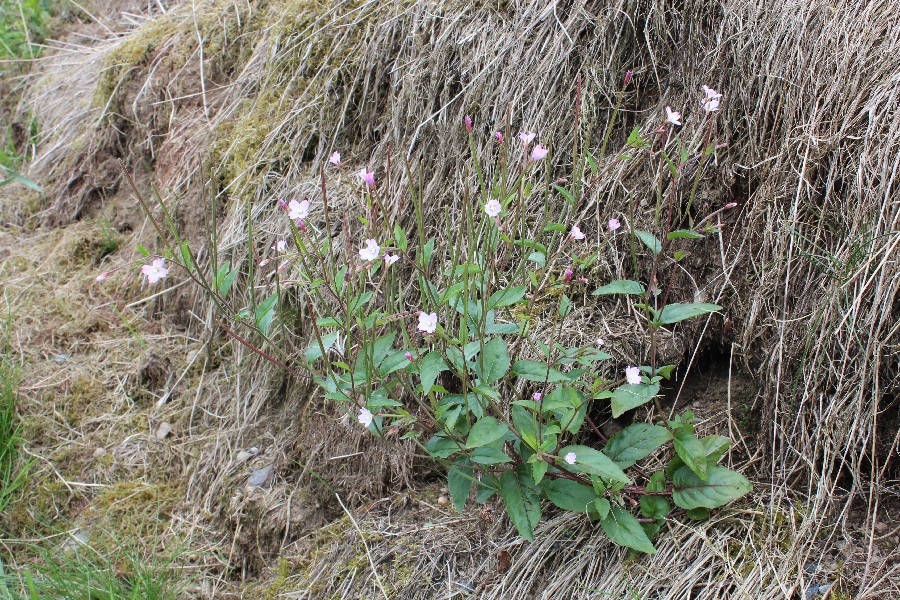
(262, 477)
(163, 431)
(443, 501)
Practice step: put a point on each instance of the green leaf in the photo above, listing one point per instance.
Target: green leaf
(565, 193)
(592, 163)
(538, 470)
(523, 507)
(378, 399)
(620, 286)
(532, 370)
(427, 251)
(394, 362)
(186, 257)
(715, 446)
(459, 481)
(595, 462)
(506, 296)
(382, 347)
(13, 176)
(628, 396)
(655, 507)
(400, 238)
(430, 366)
(489, 456)
(441, 447)
(356, 303)
(524, 422)
(494, 361)
(684, 233)
(673, 313)
(569, 495)
(649, 240)
(565, 306)
(692, 452)
(624, 529)
(265, 312)
(602, 506)
(486, 431)
(721, 487)
(539, 258)
(635, 442)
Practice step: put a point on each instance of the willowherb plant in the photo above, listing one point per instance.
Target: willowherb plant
(466, 375)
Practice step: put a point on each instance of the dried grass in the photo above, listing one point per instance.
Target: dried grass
(807, 269)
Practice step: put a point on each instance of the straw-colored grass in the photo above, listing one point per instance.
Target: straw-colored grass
(242, 102)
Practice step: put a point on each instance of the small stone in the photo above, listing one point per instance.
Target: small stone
(262, 477)
(245, 455)
(443, 500)
(163, 431)
(99, 452)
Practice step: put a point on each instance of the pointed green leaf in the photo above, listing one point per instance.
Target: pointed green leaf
(721, 487)
(565, 193)
(532, 370)
(588, 460)
(649, 240)
(684, 233)
(486, 431)
(569, 495)
(506, 296)
(620, 286)
(429, 367)
(489, 456)
(524, 508)
(692, 452)
(460, 480)
(673, 313)
(624, 529)
(628, 396)
(494, 361)
(635, 442)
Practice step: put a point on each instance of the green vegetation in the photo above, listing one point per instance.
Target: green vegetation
(78, 571)
(22, 28)
(13, 470)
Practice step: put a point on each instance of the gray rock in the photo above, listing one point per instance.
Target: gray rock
(262, 477)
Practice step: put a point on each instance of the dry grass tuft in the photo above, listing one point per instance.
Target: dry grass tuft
(807, 267)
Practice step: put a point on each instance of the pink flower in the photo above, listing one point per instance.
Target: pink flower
(335, 158)
(614, 224)
(365, 417)
(527, 137)
(297, 211)
(711, 94)
(538, 152)
(367, 176)
(628, 75)
(711, 105)
(282, 203)
(537, 396)
(633, 375)
(427, 322)
(672, 116)
(371, 251)
(279, 246)
(576, 233)
(492, 208)
(409, 356)
(102, 276)
(568, 275)
(155, 272)
(600, 342)
(468, 121)
(498, 136)
(390, 259)
(571, 458)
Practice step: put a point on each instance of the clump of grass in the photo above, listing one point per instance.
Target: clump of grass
(13, 470)
(125, 574)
